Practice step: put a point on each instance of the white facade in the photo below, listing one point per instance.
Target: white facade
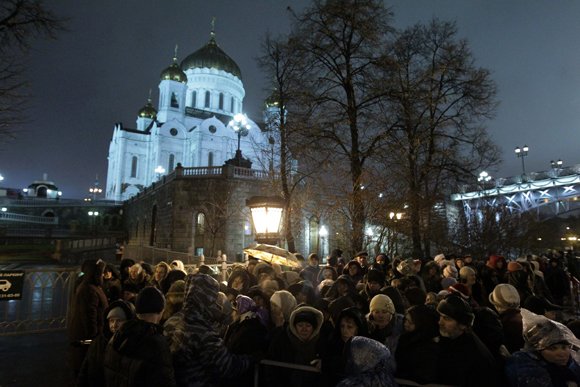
(190, 125)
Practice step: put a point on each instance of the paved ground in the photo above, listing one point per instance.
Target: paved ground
(32, 360)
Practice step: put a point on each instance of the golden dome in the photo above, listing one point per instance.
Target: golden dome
(212, 57)
(174, 73)
(148, 111)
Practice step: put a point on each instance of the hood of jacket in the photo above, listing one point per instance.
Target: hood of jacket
(306, 309)
(201, 297)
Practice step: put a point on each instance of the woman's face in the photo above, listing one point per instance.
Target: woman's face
(408, 324)
(304, 330)
(348, 328)
(160, 273)
(238, 283)
(381, 317)
(558, 354)
(352, 270)
(327, 274)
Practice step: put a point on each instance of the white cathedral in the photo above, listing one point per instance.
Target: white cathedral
(197, 100)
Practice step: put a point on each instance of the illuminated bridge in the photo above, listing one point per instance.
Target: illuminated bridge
(550, 193)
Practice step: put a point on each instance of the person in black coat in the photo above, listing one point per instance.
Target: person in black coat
(246, 336)
(138, 354)
(417, 350)
(87, 315)
(92, 371)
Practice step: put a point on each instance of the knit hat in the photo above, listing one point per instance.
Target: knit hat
(284, 300)
(450, 271)
(514, 266)
(150, 300)
(447, 282)
(466, 271)
(117, 312)
(456, 308)
(306, 316)
(505, 296)
(244, 304)
(382, 301)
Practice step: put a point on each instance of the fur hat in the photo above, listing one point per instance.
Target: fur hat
(458, 309)
(382, 301)
(376, 276)
(438, 258)
(306, 316)
(149, 300)
(177, 288)
(505, 296)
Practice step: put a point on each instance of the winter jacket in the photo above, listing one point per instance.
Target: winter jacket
(199, 355)
(92, 371)
(528, 369)
(138, 355)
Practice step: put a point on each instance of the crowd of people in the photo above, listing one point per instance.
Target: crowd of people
(454, 321)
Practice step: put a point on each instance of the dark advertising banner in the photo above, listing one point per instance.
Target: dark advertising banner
(11, 284)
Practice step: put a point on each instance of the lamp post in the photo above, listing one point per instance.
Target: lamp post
(556, 166)
(159, 171)
(93, 217)
(239, 124)
(95, 190)
(522, 153)
(266, 214)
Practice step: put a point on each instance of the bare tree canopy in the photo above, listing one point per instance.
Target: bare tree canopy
(438, 102)
(21, 21)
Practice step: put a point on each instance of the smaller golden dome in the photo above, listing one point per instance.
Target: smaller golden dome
(174, 73)
(148, 111)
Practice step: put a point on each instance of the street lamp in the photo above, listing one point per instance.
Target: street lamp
(484, 177)
(556, 164)
(266, 217)
(522, 153)
(159, 171)
(240, 124)
(93, 217)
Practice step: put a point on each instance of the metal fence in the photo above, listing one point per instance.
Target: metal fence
(46, 295)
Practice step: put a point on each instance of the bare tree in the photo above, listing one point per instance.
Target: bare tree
(438, 101)
(21, 21)
(340, 44)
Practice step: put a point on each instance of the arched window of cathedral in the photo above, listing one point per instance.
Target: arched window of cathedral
(174, 103)
(313, 225)
(194, 98)
(210, 159)
(206, 99)
(134, 166)
(171, 165)
(232, 105)
(200, 224)
(221, 101)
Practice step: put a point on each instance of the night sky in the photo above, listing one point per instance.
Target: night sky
(101, 70)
